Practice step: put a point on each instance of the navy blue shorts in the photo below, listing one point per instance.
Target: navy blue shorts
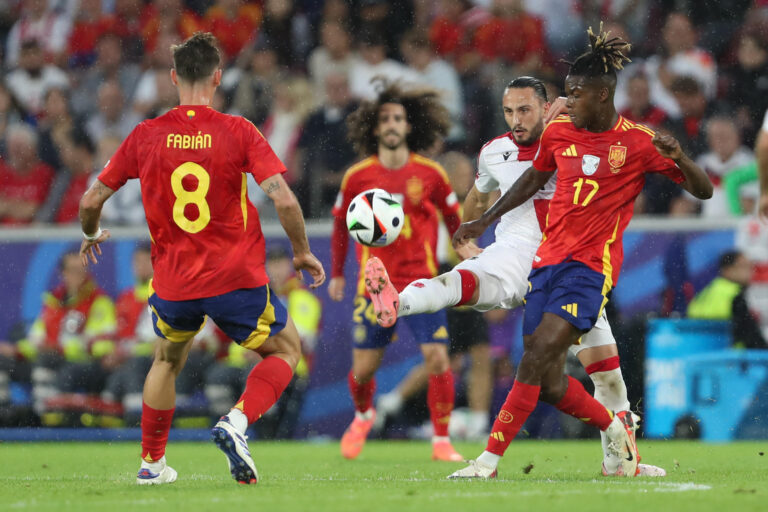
(249, 316)
(366, 333)
(570, 290)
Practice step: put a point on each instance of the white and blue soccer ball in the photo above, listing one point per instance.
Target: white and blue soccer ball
(375, 218)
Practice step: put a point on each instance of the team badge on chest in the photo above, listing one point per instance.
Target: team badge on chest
(589, 164)
(617, 155)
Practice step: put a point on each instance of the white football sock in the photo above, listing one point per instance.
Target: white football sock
(365, 416)
(430, 295)
(610, 391)
(489, 459)
(239, 420)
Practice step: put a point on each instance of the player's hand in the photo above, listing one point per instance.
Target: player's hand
(89, 250)
(556, 108)
(336, 288)
(468, 250)
(312, 265)
(667, 146)
(468, 231)
(762, 210)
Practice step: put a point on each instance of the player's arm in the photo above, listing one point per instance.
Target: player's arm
(523, 189)
(475, 204)
(696, 180)
(90, 213)
(761, 153)
(292, 220)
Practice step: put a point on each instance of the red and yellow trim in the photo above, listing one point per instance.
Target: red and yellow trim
(355, 168)
(263, 327)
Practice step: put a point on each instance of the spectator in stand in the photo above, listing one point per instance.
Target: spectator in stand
(724, 298)
(333, 56)
(679, 56)
(640, 109)
(434, 72)
(90, 24)
(155, 87)
(109, 65)
(323, 149)
(748, 88)
(136, 344)
(56, 126)
(693, 108)
(390, 18)
(29, 82)
(513, 37)
(128, 28)
(40, 24)
(563, 23)
(124, 208)
(63, 201)
(255, 89)
(288, 30)
(24, 179)
(725, 155)
(166, 18)
(373, 63)
(448, 31)
(111, 116)
(234, 23)
(9, 115)
(69, 343)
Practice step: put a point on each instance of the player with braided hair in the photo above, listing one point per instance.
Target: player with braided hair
(601, 159)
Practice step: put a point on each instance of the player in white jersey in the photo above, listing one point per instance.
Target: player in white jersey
(497, 276)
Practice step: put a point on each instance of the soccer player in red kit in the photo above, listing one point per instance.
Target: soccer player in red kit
(601, 159)
(207, 251)
(391, 129)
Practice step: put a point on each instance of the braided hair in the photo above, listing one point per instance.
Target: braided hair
(604, 57)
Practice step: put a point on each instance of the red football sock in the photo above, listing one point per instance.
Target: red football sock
(264, 386)
(155, 425)
(440, 396)
(580, 404)
(520, 403)
(362, 394)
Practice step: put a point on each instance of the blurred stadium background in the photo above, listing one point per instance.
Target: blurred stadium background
(78, 75)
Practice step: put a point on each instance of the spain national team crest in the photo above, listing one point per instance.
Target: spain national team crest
(617, 155)
(589, 164)
(414, 189)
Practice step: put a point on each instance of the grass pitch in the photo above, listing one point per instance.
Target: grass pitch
(388, 476)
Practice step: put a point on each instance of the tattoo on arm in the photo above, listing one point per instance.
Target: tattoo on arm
(272, 187)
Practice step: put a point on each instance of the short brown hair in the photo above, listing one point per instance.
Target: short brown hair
(196, 58)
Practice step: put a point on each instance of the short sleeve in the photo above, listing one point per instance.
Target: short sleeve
(661, 165)
(484, 182)
(260, 160)
(123, 165)
(342, 199)
(545, 157)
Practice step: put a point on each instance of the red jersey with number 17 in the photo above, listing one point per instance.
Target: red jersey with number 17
(192, 164)
(599, 175)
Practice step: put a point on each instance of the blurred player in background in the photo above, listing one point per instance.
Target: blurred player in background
(497, 276)
(207, 252)
(390, 130)
(601, 160)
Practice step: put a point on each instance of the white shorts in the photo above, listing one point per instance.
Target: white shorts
(502, 274)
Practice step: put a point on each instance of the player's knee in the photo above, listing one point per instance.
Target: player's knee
(552, 392)
(436, 358)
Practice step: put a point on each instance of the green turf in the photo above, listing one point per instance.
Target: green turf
(391, 476)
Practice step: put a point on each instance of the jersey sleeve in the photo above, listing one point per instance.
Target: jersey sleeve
(261, 160)
(446, 201)
(123, 165)
(484, 182)
(545, 156)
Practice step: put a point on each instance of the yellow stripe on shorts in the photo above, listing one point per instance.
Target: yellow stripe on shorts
(264, 326)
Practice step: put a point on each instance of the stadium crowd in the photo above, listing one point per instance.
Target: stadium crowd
(79, 75)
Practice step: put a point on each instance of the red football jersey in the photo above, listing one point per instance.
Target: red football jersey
(423, 188)
(599, 175)
(192, 164)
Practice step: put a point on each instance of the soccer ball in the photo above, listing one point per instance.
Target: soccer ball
(375, 218)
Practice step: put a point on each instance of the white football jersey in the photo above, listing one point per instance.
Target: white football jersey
(500, 164)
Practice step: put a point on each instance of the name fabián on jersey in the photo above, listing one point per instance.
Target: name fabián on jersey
(178, 141)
